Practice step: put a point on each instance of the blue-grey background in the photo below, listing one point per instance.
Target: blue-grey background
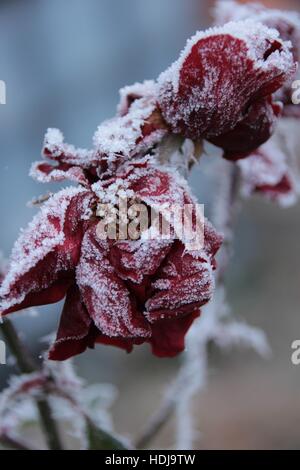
(63, 62)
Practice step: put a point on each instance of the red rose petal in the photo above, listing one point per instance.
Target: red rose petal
(46, 253)
(251, 132)
(105, 295)
(286, 22)
(184, 283)
(46, 173)
(134, 260)
(73, 336)
(168, 335)
(123, 343)
(220, 74)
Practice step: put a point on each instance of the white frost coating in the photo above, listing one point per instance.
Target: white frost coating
(118, 136)
(73, 174)
(53, 137)
(112, 193)
(195, 286)
(110, 304)
(13, 410)
(146, 255)
(215, 325)
(36, 241)
(267, 167)
(146, 89)
(54, 143)
(255, 36)
(230, 10)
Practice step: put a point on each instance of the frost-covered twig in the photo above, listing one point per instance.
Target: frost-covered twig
(213, 325)
(27, 365)
(42, 385)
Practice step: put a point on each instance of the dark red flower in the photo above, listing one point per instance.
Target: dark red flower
(272, 169)
(287, 23)
(222, 78)
(252, 131)
(119, 292)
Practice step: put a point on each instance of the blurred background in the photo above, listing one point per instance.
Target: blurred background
(63, 63)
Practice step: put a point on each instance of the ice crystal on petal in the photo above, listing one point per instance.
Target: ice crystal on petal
(286, 22)
(45, 252)
(45, 173)
(219, 75)
(129, 94)
(104, 294)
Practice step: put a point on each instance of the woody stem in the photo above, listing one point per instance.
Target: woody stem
(225, 212)
(27, 365)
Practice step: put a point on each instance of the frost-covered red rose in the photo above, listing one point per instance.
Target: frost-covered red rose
(221, 87)
(287, 23)
(119, 292)
(273, 169)
(127, 292)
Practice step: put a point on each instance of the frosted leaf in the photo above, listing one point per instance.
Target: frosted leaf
(45, 253)
(116, 141)
(111, 191)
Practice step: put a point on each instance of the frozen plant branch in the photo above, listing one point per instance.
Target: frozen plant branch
(27, 365)
(46, 383)
(209, 327)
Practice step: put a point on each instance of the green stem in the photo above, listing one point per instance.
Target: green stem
(27, 365)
